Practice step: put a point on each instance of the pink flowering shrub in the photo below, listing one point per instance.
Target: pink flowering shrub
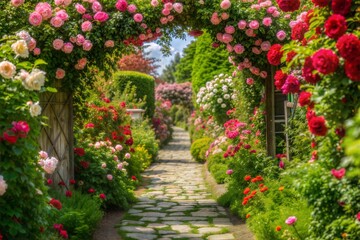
(177, 93)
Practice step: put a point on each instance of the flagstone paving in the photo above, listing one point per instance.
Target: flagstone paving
(176, 204)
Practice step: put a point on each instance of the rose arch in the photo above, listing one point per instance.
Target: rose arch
(302, 48)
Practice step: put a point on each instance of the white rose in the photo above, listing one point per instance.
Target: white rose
(223, 105)
(35, 80)
(7, 69)
(226, 96)
(3, 186)
(20, 48)
(219, 100)
(35, 109)
(233, 96)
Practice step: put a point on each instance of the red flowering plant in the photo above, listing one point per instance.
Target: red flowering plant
(162, 122)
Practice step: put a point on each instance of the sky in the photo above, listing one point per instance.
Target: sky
(177, 46)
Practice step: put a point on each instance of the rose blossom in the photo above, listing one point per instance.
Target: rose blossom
(87, 45)
(229, 29)
(341, 7)
(249, 81)
(349, 46)
(224, 16)
(335, 26)
(339, 174)
(86, 26)
(227, 38)
(178, 7)
(281, 35)
(101, 16)
(109, 177)
(43, 154)
(118, 147)
(154, 3)
(96, 7)
(275, 54)
(291, 85)
(242, 24)
(250, 33)
(35, 80)
(44, 9)
(131, 8)
(165, 12)
(58, 44)
(265, 46)
(67, 48)
(109, 44)
(138, 17)
(60, 73)
(20, 48)
(62, 14)
(50, 165)
(3, 185)
(35, 109)
(80, 8)
(37, 51)
(225, 4)
(288, 5)
(254, 24)
(127, 155)
(7, 69)
(352, 69)
(291, 220)
(325, 61)
(267, 21)
(168, 6)
(35, 19)
(17, 3)
(56, 22)
(321, 3)
(317, 125)
(121, 5)
(229, 171)
(263, 74)
(239, 49)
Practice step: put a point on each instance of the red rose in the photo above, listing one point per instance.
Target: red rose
(102, 196)
(307, 71)
(68, 193)
(9, 137)
(91, 190)
(280, 78)
(335, 26)
(288, 5)
(325, 61)
(341, 7)
(129, 142)
(72, 181)
(58, 226)
(348, 46)
(275, 54)
(291, 85)
(299, 30)
(321, 3)
(352, 69)
(304, 98)
(55, 203)
(89, 125)
(310, 114)
(85, 164)
(339, 174)
(21, 128)
(79, 151)
(290, 56)
(133, 178)
(63, 234)
(49, 181)
(317, 126)
(123, 104)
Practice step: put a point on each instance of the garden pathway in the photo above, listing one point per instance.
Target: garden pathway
(176, 203)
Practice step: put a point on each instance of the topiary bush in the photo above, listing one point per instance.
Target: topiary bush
(199, 147)
(217, 167)
(145, 86)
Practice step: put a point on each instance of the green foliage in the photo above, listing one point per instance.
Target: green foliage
(199, 148)
(180, 115)
(168, 74)
(144, 136)
(185, 67)
(80, 214)
(144, 87)
(142, 159)
(217, 166)
(352, 146)
(208, 62)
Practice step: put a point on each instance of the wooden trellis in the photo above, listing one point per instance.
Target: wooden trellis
(57, 137)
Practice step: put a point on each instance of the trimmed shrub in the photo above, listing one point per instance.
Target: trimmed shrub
(144, 136)
(199, 147)
(217, 167)
(145, 86)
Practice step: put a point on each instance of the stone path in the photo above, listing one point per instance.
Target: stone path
(176, 203)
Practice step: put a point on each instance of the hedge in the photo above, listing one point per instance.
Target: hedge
(145, 86)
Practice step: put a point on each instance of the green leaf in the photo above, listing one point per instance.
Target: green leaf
(39, 62)
(25, 65)
(51, 89)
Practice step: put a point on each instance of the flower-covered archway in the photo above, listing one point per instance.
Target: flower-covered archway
(315, 43)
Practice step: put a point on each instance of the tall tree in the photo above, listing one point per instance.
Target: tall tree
(185, 66)
(139, 62)
(168, 73)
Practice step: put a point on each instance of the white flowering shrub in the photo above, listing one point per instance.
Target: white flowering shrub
(217, 97)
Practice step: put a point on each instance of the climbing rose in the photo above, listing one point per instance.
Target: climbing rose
(348, 46)
(225, 4)
(352, 69)
(280, 78)
(291, 85)
(63, 233)
(275, 54)
(341, 7)
(68, 47)
(101, 16)
(55, 203)
(58, 44)
(317, 126)
(3, 185)
(131, 8)
(86, 26)
(35, 19)
(281, 35)
(7, 69)
(138, 17)
(60, 73)
(44, 9)
(178, 7)
(17, 3)
(21, 128)
(325, 61)
(335, 26)
(80, 8)
(291, 220)
(321, 3)
(96, 7)
(288, 5)
(121, 5)
(299, 30)
(304, 98)
(339, 174)
(102, 196)
(307, 71)
(79, 151)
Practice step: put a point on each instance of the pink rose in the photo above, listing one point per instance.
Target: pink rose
(168, 6)
(265, 46)
(229, 29)
(225, 4)
(154, 3)
(256, 7)
(163, 20)
(31, 44)
(229, 171)
(43, 154)
(109, 177)
(56, 22)
(87, 45)
(239, 49)
(96, 7)
(242, 24)
(82, 62)
(80, 39)
(138, 17)
(224, 16)
(60, 73)
(249, 81)
(256, 50)
(281, 35)
(165, 12)
(87, 16)
(35, 19)
(62, 14)
(118, 147)
(263, 74)
(254, 24)
(170, 18)
(44, 9)
(267, 21)
(271, 10)
(229, 48)
(178, 7)
(227, 38)
(131, 8)
(67, 2)
(17, 3)
(258, 42)
(121, 5)
(58, 44)
(73, 39)
(291, 220)
(339, 174)
(109, 44)
(144, 26)
(67, 48)
(37, 51)
(250, 33)
(80, 8)
(101, 16)
(86, 26)
(127, 155)
(276, 14)
(59, 2)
